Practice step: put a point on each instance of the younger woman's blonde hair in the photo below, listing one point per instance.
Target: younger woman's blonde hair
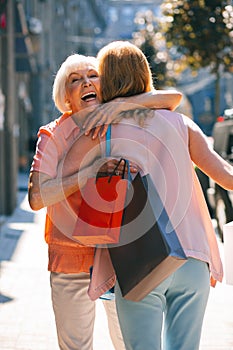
(72, 63)
(124, 70)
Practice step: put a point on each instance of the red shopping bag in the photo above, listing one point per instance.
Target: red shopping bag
(100, 214)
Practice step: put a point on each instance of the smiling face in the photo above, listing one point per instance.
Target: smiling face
(83, 87)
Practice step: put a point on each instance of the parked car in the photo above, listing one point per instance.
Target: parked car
(221, 200)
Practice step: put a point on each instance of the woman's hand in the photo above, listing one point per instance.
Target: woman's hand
(98, 120)
(109, 166)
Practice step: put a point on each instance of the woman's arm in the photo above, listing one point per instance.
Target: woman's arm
(108, 113)
(45, 190)
(157, 99)
(210, 162)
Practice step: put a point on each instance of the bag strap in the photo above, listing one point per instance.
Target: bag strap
(108, 142)
(108, 154)
(129, 177)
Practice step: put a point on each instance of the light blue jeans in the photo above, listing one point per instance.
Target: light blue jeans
(175, 309)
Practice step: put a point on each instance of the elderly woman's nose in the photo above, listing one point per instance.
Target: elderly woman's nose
(86, 80)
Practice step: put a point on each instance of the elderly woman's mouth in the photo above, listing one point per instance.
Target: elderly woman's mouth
(89, 96)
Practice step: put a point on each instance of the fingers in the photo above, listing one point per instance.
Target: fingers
(98, 123)
(91, 122)
(95, 125)
(95, 131)
(110, 166)
(95, 118)
(104, 130)
(121, 168)
(99, 129)
(133, 169)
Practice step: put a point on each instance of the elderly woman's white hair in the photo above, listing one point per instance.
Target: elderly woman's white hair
(70, 65)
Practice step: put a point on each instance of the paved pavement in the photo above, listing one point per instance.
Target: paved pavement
(26, 316)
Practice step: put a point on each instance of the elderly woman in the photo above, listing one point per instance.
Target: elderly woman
(76, 86)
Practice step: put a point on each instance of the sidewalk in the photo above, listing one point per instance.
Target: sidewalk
(26, 316)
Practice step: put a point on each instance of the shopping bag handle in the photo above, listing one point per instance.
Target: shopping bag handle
(126, 163)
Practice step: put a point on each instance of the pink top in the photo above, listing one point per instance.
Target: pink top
(65, 255)
(161, 149)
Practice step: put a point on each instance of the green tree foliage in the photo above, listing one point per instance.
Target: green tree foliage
(202, 32)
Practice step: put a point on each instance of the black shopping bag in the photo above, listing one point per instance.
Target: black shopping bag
(149, 249)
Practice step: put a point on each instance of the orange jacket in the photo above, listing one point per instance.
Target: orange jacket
(65, 254)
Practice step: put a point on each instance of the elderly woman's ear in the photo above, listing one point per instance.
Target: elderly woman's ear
(68, 104)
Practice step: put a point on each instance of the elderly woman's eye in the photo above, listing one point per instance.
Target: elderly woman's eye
(93, 74)
(73, 80)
